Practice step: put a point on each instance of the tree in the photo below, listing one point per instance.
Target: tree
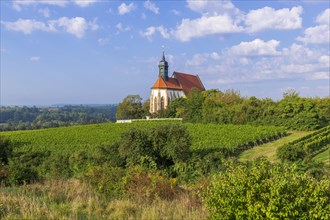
(193, 106)
(130, 108)
(146, 107)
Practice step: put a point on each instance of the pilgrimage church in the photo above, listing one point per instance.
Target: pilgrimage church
(167, 88)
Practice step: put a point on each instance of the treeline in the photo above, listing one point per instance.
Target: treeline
(229, 107)
(24, 118)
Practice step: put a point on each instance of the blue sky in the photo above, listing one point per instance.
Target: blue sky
(89, 52)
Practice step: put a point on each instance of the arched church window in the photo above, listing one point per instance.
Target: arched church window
(162, 104)
(155, 104)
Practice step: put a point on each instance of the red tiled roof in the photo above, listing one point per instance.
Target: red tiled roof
(188, 82)
(179, 81)
(171, 83)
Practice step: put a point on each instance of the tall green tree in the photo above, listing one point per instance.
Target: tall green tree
(193, 106)
(130, 108)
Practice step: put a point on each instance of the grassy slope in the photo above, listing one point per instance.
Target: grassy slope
(323, 157)
(72, 199)
(269, 149)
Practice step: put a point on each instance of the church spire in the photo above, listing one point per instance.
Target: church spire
(163, 59)
(163, 67)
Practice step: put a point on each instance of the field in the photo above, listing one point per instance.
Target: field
(228, 138)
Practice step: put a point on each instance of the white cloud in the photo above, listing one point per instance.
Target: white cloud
(319, 34)
(219, 24)
(175, 12)
(269, 62)
(316, 35)
(325, 60)
(18, 4)
(151, 31)
(124, 9)
(27, 26)
(269, 18)
(103, 41)
(256, 48)
(199, 59)
(163, 31)
(324, 17)
(122, 28)
(45, 12)
(319, 76)
(151, 6)
(212, 7)
(34, 58)
(76, 26)
(84, 3)
(215, 56)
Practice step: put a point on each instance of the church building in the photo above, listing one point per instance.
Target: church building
(167, 88)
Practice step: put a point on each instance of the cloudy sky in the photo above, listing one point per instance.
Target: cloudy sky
(88, 52)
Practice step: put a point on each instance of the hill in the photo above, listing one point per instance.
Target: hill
(211, 137)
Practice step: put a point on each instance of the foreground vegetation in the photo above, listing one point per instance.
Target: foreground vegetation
(163, 170)
(74, 199)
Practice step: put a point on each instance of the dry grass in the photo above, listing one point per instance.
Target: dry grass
(73, 199)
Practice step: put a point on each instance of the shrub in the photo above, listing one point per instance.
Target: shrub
(149, 185)
(291, 152)
(57, 166)
(6, 150)
(106, 180)
(260, 190)
(23, 167)
(160, 147)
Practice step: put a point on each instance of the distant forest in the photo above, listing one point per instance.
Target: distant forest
(26, 118)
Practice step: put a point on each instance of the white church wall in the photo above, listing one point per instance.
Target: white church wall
(166, 94)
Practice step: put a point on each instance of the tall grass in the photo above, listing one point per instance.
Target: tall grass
(72, 199)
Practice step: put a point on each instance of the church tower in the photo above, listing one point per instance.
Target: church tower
(163, 68)
(167, 88)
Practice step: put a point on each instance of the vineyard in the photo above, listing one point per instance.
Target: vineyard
(307, 146)
(66, 140)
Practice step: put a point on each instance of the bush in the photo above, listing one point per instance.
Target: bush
(106, 180)
(57, 166)
(23, 167)
(6, 150)
(260, 190)
(291, 152)
(160, 147)
(149, 185)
